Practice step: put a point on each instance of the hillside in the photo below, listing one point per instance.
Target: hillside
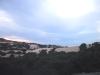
(17, 48)
(21, 44)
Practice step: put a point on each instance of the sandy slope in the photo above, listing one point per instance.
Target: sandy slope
(69, 49)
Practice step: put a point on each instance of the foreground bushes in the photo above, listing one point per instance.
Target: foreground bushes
(53, 63)
(96, 73)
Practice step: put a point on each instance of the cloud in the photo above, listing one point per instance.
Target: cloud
(6, 20)
(98, 26)
(47, 20)
(29, 19)
(69, 8)
(16, 38)
(98, 29)
(84, 32)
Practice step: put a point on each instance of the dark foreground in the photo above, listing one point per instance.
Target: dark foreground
(53, 63)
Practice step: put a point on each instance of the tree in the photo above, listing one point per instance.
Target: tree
(96, 44)
(83, 47)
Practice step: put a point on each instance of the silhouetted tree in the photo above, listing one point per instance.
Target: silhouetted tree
(83, 47)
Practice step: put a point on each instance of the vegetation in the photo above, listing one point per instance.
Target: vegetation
(95, 73)
(54, 63)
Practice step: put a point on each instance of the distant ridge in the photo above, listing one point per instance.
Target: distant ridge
(4, 40)
(8, 41)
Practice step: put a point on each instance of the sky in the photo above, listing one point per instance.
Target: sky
(60, 22)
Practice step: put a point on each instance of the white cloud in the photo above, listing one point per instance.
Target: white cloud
(69, 8)
(98, 27)
(6, 20)
(86, 32)
(22, 39)
(16, 38)
(47, 16)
